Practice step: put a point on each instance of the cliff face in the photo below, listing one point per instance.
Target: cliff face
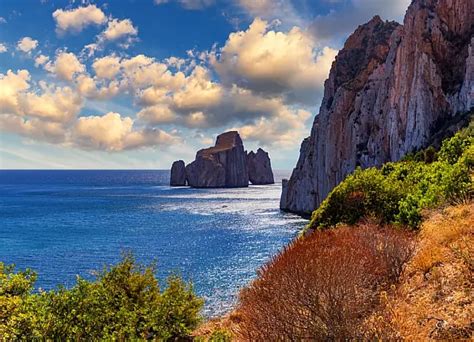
(224, 165)
(260, 168)
(389, 91)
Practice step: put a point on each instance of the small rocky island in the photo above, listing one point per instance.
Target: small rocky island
(225, 165)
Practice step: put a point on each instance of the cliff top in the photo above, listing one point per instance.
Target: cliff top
(224, 141)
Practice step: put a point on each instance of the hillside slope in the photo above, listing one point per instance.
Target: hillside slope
(434, 299)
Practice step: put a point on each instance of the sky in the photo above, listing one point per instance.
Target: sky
(137, 84)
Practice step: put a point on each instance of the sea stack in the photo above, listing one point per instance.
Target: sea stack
(178, 174)
(260, 168)
(221, 166)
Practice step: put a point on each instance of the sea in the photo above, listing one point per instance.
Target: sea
(64, 223)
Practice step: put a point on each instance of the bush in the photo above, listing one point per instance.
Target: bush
(321, 287)
(398, 192)
(124, 302)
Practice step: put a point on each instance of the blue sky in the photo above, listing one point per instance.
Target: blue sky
(140, 83)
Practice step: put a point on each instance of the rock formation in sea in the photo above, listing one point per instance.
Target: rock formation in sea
(224, 165)
(260, 168)
(178, 174)
(389, 91)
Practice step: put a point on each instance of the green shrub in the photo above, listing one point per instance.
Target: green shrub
(124, 302)
(398, 192)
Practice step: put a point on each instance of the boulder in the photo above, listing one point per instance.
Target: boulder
(260, 168)
(178, 174)
(390, 90)
(221, 166)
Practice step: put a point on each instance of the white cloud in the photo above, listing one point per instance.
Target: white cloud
(272, 62)
(119, 28)
(142, 71)
(26, 44)
(3, 48)
(41, 60)
(65, 66)
(3, 20)
(11, 85)
(77, 19)
(89, 88)
(282, 130)
(198, 92)
(106, 67)
(158, 114)
(111, 132)
(53, 104)
(37, 129)
(56, 105)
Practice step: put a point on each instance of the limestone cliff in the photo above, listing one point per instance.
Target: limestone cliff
(389, 91)
(260, 168)
(224, 165)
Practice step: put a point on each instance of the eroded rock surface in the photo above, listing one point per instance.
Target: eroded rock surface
(389, 91)
(224, 165)
(260, 168)
(178, 174)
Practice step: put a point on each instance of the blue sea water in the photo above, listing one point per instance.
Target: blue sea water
(68, 223)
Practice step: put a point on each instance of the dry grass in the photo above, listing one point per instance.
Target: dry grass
(434, 299)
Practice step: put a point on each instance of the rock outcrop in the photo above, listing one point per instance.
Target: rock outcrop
(178, 174)
(389, 91)
(260, 168)
(224, 165)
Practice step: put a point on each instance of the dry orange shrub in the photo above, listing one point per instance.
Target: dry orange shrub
(323, 286)
(435, 298)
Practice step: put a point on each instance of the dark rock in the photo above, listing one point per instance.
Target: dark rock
(221, 166)
(178, 174)
(260, 168)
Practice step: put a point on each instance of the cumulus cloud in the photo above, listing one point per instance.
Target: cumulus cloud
(282, 130)
(272, 62)
(106, 67)
(77, 19)
(26, 44)
(11, 86)
(91, 88)
(198, 92)
(3, 48)
(142, 71)
(57, 105)
(53, 104)
(41, 60)
(50, 114)
(65, 66)
(111, 132)
(34, 128)
(119, 28)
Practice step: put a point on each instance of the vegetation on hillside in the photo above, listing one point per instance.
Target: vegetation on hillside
(398, 192)
(434, 297)
(123, 303)
(321, 287)
(368, 278)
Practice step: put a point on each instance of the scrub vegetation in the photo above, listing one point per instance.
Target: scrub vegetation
(124, 302)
